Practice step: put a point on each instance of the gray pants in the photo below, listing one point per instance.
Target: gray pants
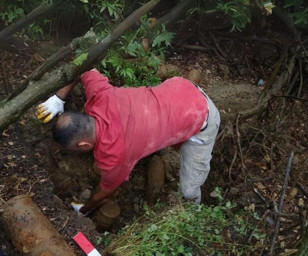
(195, 156)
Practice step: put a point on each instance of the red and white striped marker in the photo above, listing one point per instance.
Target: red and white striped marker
(85, 245)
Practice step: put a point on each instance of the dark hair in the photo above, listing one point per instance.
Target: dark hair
(71, 126)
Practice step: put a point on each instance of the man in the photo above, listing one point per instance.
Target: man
(123, 125)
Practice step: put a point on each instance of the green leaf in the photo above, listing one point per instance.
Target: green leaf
(152, 228)
(132, 49)
(116, 62)
(19, 11)
(165, 37)
(80, 59)
(84, 1)
(127, 73)
(102, 8)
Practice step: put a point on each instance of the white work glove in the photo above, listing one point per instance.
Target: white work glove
(50, 108)
(76, 206)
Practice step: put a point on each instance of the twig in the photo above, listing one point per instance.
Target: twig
(283, 192)
(272, 42)
(274, 74)
(206, 46)
(232, 163)
(196, 48)
(261, 220)
(301, 188)
(280, 114)
(239, 142)
(6, 85)
(303, 47)
(267, 203)
(293, 81)
(302, 222)
(300, 63)
(290, 96)
(203, 42)
(285, 215)
(254, 138)
(218, 46)
(221, 135)
(64, 224)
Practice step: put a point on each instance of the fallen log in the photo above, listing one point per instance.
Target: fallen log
(37, 90)
(30, 231)
(43, 10)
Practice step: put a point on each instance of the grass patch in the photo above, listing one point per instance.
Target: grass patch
(189, 229)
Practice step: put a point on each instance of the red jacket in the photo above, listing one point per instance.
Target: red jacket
(132, 123)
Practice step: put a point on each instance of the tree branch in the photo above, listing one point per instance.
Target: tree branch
(36, 90)
(41, 11)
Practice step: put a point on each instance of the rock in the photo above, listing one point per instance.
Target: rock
(234, 191)
(194, 75)
(145, 44)
(165, 71)
(291, 193)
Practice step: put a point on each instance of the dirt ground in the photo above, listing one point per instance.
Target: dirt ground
(31, 163)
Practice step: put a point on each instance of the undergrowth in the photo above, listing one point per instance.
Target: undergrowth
(189, 229)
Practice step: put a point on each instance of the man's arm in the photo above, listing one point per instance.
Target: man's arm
(97, 199)
(65, 91)
(55, 104)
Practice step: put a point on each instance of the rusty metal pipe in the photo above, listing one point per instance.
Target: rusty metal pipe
(156, 178)
(30, 231)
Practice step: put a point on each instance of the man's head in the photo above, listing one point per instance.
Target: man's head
(75, 131)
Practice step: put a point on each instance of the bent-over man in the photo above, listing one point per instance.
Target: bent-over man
(123, 125)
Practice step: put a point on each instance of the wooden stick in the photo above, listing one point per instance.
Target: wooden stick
(280, 207)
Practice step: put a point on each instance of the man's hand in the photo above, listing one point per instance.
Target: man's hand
(50, 108)
(97, 199)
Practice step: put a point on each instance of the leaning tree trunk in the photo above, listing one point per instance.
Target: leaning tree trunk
(175, 13)
(36, 90)
(39, 12)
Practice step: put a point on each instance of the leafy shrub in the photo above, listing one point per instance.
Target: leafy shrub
(298, 11)
(130, 62)
(11, 14)
(239, 12)
(189, 229)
